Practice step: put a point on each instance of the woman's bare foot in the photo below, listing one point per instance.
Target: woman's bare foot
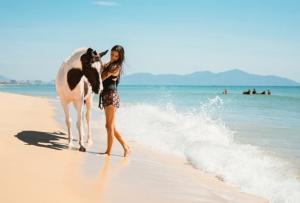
(107, 153)
(126, 151)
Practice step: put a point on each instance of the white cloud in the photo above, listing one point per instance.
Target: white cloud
(105, 3)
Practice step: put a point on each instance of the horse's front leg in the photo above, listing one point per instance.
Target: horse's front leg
(88, 103)
(79, 108)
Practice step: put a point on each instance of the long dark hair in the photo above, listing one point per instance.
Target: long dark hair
(119, 62)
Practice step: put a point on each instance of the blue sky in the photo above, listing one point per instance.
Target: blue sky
(257, 36)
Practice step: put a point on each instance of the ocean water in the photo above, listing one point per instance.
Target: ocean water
(251, 141)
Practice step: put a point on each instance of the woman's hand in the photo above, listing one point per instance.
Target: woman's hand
(115, 71)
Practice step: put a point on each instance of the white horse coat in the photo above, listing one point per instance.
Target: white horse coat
(75, 82)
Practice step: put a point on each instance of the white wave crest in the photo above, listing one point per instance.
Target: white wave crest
(209, 145)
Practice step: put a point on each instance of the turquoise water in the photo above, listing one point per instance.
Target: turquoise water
(268, 121)
(252, 141)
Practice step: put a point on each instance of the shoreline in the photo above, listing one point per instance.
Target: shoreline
(46, 165)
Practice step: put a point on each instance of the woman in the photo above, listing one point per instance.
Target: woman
(109, 98)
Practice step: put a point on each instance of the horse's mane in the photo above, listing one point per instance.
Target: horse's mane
(74, 59)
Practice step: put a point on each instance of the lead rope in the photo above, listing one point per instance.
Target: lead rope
(101, 101)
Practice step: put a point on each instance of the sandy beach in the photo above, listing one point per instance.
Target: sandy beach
(37, 166)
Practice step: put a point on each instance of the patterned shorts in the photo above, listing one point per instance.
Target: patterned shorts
(109, 97)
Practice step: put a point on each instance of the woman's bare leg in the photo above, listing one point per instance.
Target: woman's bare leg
(122, 142)
(112, 132)
(110, 117)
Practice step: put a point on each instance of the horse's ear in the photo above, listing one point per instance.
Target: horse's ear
(89, 51)
(93, 77)
(103, 53)
(73, 77)
(86, 57)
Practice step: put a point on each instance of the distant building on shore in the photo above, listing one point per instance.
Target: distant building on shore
(24, 82)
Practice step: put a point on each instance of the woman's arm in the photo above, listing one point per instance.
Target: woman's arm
(113, 72)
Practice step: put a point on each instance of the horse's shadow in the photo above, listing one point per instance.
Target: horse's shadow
(43, 139)
(49, 140)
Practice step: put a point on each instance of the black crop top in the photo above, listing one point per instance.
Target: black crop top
(110, 83)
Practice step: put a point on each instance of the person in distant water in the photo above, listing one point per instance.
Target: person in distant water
(225, 91)
(109, 97)
(247, 92)
(269, 92)
(263, 92)
(254, 91)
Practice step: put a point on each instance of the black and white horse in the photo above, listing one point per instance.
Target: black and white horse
(79, 76)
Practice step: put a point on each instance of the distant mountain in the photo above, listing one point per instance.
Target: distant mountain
(233, 77)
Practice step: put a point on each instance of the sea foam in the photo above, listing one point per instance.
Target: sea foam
(202, 137)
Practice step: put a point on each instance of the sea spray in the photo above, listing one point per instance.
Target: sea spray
(203, 138)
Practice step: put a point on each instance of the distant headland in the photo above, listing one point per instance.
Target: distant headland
(233, 77)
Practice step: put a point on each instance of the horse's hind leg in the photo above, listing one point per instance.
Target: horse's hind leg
(68, 121)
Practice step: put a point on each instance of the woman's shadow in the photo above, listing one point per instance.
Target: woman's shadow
(43, 139)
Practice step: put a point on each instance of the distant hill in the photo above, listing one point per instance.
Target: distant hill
(233, 77)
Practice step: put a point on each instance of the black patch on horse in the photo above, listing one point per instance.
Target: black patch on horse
(85, 87)
(74, 75)
(93, 77)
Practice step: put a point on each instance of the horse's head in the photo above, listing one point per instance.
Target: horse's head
(91, 67)
(92, 56)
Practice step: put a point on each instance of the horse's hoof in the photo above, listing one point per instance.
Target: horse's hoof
(82, 149)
